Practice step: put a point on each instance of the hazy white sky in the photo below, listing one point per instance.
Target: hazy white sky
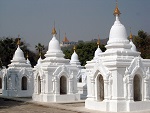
(79, 19)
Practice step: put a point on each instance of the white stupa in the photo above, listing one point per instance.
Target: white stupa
(74, 58)
(56, 79)
(81, 76)
(18, 78)
(98, 50)
(133, 47)
(120, 79)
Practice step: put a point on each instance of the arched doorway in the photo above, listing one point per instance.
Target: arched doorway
(100, 88)
(24, 83)
(137, 88)
(39, 85)
(0, 83)
(63, 85)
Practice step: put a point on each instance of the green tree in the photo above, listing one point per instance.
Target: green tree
(142, 42)
(40, 49)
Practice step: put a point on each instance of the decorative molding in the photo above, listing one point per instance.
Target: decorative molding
(62, 70)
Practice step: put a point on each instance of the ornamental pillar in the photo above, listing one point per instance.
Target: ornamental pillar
(146, 90)
(93, 87)
(42, 86)
(35, 86)
(56, 86)
(130, 90)
(70, 86)
(106, 83)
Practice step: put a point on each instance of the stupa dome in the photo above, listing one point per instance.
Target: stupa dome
(18, 56)
(54, 45)
(54, 49)
(133, 48)
(118, 33)
(98, 50)
(74, 57)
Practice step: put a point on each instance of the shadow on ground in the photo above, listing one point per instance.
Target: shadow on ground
(7, 103)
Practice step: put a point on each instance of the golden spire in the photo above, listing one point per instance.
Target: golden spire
(74, 48)
(130, 34)
(18, 42)
(98, 41)
(65, 39)
(116, 11)
(54, 30)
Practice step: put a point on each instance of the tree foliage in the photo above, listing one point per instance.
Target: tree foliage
(40, 50)
(142, 43)
(39, 47)
(85, 51)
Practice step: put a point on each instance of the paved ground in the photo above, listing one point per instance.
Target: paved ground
(11, 106)
(26, 105)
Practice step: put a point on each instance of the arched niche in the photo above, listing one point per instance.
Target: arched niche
(24, 83)
(100, 88)
(39, 85)
(63, 85)
(80, 79)
(137, 88)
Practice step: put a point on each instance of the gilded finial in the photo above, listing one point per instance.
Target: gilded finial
(116, 11)
(98, 41)
(74, 48)
(18, 42)
(54, 30)
(130, 34)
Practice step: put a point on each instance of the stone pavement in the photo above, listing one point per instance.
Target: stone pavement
(26, 105)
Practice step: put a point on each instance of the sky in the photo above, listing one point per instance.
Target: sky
(79, 19)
